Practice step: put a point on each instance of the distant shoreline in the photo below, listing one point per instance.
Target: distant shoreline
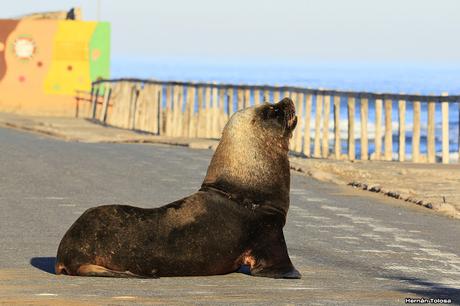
(423, 78)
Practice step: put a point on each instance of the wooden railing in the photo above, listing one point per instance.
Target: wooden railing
(81, 102)
(185, 109)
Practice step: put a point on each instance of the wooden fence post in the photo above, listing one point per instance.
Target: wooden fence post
(351, 128)
(113, 119)
(306, 135)
(388, 130)
(416, 132)
(364, 137)
(207, 99)
(127, 105)
(157, 93)
(215, 113)
(168, 117)
(231, 101)
(298, 140)
(176, 110)
(266, 95)
(180, 112)
(402, 130)
(152, 118)
(183, 112)
(276, 96)
(105, 105)
(222, 115)
(94, 99)
(191, 96)
(431, 150)
(140, 110)
(174, 98)
(133, 106)
(287, 94)
(240, 98)
(160, 118)
(445, 130)
(256, 97)
(319, 110)
(200, 116)
(378, 129)
(327, 112)
(247, 97)
(337, 149)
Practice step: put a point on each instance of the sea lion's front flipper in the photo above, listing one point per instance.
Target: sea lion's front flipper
(277, 272)
(270, 258)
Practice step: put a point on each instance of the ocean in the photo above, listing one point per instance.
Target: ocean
(391, 77)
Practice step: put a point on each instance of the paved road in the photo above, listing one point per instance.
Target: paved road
(351, 248)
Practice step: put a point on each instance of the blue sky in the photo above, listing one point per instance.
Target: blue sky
(289, 30)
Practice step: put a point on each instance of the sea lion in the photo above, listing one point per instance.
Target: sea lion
(235, 219)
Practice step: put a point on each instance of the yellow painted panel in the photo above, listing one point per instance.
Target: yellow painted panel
(70, 67)
(71, 51)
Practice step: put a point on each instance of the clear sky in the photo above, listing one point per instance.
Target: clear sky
(305, 30)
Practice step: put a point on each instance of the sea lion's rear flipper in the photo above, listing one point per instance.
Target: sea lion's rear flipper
(270, 258)
(100, 271)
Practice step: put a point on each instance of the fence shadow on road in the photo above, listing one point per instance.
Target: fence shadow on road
(45, 264)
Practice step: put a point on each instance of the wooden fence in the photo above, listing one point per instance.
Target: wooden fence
(376, 126)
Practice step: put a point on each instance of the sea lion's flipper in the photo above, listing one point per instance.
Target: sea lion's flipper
(293, 274)
(270, 257)
(278, 272)
(100, 271)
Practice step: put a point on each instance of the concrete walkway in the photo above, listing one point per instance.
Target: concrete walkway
(84, 130)
(433, 186)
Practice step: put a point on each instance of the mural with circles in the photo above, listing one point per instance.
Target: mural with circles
(44, 62)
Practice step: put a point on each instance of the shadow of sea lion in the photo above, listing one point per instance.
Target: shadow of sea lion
(45, 264)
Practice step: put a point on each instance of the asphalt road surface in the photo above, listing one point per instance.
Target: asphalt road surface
(351, 248)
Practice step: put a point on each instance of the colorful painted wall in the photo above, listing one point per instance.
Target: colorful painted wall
(44, 62)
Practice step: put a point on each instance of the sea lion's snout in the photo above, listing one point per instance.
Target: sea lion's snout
(290, 119)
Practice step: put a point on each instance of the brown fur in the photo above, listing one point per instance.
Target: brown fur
(235, 219)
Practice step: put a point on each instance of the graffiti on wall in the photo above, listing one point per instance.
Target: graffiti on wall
(44, 59)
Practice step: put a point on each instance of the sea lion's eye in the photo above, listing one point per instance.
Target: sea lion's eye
(271, 112)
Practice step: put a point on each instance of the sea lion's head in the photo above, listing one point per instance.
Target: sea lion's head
(276, 119)
(251, 161)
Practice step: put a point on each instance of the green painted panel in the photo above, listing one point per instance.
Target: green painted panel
(99, 48)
